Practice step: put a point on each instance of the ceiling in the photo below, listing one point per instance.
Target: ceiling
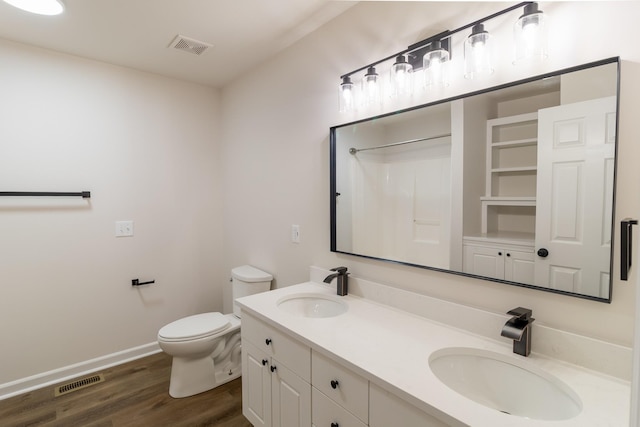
(138, 33)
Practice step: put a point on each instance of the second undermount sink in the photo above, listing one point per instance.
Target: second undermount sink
(505, 384)
(312, 305)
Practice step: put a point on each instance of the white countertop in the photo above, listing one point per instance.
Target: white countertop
(391, 348)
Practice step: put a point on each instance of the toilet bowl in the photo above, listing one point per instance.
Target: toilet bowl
(206, 347)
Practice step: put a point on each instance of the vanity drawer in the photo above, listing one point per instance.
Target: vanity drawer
(389, 410)
(346, 388)
(326, 413)
(286, 350)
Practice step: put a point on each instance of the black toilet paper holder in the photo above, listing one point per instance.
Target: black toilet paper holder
(137, 282)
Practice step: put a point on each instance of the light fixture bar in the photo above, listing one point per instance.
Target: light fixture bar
(423, 44)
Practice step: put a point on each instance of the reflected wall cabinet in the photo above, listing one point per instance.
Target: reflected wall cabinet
(498, 259)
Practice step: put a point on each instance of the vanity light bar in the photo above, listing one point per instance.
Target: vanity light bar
(421, 55)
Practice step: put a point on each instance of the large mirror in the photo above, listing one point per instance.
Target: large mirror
(513, 184)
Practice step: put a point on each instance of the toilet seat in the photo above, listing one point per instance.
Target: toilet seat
(194, 327)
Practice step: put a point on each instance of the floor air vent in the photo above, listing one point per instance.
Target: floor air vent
(78, 384)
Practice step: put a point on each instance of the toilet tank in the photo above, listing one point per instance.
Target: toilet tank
(248, 280)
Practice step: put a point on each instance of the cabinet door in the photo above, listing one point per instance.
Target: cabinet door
(256, 385)
(290, 396)
(519, 266)
(387, 410)
(295, 355)
(484, 261)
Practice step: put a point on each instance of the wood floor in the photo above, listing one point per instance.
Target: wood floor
(133, 394)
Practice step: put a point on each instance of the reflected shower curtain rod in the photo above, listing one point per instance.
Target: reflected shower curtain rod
(411, 141)
(83, 194)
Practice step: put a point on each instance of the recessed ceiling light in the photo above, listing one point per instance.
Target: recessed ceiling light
(41, 7)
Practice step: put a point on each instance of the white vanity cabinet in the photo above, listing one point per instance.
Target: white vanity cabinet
(339, 396)
(286, 384)
(499, 259)
(276, 375)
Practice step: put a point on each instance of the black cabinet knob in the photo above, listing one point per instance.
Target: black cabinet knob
(500, 253)
(508, 254)
(334, 384)
(264, 362)
(273, 369)
(334, 425)
(543, 253)
(267, 341)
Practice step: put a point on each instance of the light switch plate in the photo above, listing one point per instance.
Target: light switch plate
(295, 233)
(124, 228)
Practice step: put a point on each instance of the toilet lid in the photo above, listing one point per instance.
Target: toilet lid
(193, 327)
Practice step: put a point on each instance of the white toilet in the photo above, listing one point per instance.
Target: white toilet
(206, 347)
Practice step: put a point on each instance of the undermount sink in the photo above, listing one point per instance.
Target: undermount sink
(505, 384)
(312, 305)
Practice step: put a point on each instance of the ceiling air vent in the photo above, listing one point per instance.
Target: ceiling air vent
(187, 44)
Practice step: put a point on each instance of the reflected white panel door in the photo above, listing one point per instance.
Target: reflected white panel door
(576, 148)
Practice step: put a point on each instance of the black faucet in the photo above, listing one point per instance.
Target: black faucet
(343, 284)
(518, 328)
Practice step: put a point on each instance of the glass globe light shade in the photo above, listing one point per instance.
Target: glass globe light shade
(478, 53)
(371, 87)
(346, 95)
(530, 33)
(436, 66)
(401, 77)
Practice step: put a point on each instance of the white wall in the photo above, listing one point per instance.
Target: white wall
(276, 155)
(146, 148)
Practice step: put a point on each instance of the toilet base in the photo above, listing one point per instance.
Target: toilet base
(194, 376)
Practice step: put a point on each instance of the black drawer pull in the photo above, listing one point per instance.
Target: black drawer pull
(264, 362)
(334, 384)
(267, 341)
(273, 369)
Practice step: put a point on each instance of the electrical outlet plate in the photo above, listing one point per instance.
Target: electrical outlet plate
(124, 228)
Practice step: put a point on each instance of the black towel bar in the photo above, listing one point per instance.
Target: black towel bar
(83, 194)
(626, 245)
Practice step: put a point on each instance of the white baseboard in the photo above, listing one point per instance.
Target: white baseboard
(44, 379)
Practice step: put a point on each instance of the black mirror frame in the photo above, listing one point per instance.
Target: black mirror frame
(333, 184)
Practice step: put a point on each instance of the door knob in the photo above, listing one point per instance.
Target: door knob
(543, 253)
